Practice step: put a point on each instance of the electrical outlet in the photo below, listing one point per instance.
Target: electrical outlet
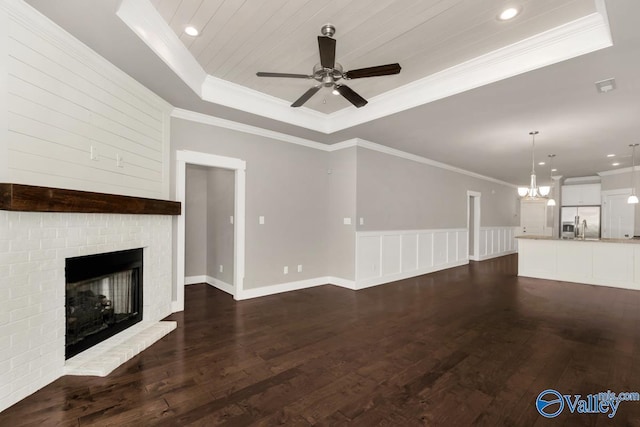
(119, 161)
(286, 269)
(361, 221)
(221, 268)
(299, 268)
(93, 154)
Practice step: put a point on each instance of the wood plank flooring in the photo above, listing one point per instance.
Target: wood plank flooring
(472, 345)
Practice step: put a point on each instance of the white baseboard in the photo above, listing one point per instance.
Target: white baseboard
(192, 280)
(343, 283)
(209, 280)
(375, 281)
(281, 287)
(219, 284)
(496, 255)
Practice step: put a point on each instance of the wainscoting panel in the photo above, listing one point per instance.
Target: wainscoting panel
(497, 241)
(391, 254)
(386, 256)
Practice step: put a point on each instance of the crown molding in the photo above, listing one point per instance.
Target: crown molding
(193, 116)
(579, 37)
(618, 171)
(419, 159)
(567, 41)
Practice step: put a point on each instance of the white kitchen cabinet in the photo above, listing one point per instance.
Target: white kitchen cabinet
(581, 195)
(533, 218)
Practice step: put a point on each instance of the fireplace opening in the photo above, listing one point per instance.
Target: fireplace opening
(103, 296)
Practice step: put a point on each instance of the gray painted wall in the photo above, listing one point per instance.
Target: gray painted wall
(285, 183)
(305, 194)
(399, 194)
(342, 204)
(220, 207)
(195, 256)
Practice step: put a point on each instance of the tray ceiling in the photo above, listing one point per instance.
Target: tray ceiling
(237, 38)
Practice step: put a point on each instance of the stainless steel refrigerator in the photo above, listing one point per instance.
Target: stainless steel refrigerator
(578, 219)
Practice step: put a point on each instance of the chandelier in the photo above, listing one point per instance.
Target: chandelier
(533, 192)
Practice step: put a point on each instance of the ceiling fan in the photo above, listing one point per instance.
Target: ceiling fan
(328, 72)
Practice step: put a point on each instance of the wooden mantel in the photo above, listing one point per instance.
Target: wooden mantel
(29, 198)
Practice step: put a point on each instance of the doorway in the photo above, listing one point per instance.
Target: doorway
(183, 158)
(618, 220)
(473, 224)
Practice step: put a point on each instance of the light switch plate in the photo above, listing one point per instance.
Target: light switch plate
(231, 219)
(347, 221)
(286, 269)
(299, 268)
(361, 221)
(261, 220)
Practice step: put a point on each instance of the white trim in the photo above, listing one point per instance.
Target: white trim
(194, 280)
(343, 283)
(401, 232)
(193, 116)
(476, 223)
(236, 96)
(376, 281)
(219, 284)
(413, 157)
(616, 171)
(495, 255)
(282, 287)
(211, 281)
(582, 179)
(147, 23)
(584, 35)
(179, 113)
(184, 157)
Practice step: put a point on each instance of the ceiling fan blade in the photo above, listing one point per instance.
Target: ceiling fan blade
(305, 97)
(351, 96)
(292, 76)
(380, 70)
(327, 47)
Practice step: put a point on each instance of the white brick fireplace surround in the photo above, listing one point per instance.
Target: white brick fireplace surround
(33, 249)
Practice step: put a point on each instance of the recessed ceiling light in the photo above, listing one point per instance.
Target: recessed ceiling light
(611, 155)
(554, 170)
(191, 31)
(509, 13)
(615, 164)
(541, 163)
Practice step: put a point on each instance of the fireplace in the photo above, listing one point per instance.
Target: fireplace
(103, 296)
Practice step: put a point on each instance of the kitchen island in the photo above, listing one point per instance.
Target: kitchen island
(604, 262)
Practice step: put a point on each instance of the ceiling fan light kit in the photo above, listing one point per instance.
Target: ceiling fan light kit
(328, 72)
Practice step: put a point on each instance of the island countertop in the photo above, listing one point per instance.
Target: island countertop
(602, 240)
(604, 262)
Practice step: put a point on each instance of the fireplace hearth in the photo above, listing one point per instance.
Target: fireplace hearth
(103, 296)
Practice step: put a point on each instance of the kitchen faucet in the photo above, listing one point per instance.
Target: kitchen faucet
(580, 229)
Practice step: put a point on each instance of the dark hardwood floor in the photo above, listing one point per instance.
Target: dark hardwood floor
(473, 345)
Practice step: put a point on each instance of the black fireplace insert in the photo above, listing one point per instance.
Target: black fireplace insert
(103, 297)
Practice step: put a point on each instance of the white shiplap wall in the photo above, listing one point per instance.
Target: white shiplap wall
(64, 101)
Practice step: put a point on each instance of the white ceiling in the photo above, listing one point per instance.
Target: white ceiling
(239, 38)
(482, 129)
